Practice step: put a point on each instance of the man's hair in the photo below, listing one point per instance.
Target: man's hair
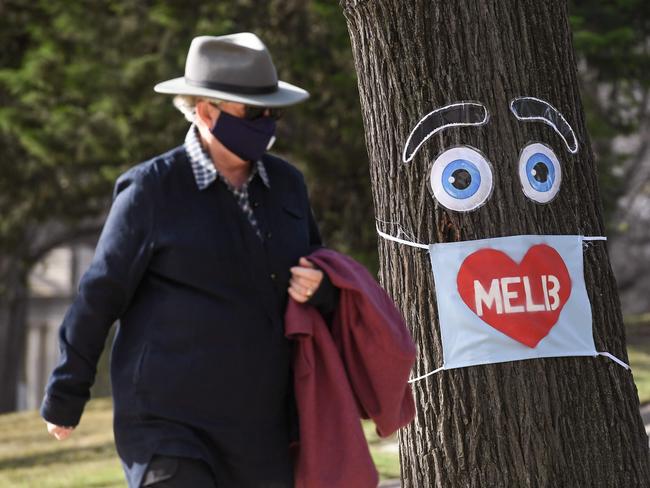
(187, 104)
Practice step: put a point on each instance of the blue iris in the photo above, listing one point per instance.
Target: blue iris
(540, 172)
(461, 179)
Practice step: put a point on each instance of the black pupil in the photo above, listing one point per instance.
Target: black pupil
(541, 172)
(462, 179)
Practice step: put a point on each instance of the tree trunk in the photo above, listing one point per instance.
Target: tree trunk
(556, 422)
(13, 333)
(40, 239)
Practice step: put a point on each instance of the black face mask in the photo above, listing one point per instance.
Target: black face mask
(248, 139)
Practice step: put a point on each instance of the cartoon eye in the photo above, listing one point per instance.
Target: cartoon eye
(461, 179)
(540, 172)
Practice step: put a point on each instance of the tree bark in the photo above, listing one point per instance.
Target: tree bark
(557, 422)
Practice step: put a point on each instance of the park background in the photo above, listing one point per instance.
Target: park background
(77, 108)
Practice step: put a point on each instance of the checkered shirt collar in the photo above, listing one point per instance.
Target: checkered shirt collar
(204, 170)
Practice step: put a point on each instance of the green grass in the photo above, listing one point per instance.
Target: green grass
(384, 452)
(30, 457)
(638, 350)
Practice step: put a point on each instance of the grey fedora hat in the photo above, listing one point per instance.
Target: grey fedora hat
(237, 68)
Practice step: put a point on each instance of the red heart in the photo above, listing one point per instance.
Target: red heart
(523, 300)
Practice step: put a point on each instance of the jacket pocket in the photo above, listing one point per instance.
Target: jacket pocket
(294, 211)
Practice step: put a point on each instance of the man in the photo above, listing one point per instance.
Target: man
(200, 250)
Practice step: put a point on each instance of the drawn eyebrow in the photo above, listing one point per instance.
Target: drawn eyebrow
(531, 109)
(454, 115)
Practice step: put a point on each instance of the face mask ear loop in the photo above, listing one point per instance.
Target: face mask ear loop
(401, 241)
(614, 358)
(413, 380)
(271, 142)
(587, 241)
(419, 246)
(604, 353)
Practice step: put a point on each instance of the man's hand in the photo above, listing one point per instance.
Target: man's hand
(305, 280)
(60, 433)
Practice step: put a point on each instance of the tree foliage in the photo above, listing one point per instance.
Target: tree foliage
(612, 39)
(78, 107)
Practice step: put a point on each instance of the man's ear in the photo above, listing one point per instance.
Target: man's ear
(206, 113)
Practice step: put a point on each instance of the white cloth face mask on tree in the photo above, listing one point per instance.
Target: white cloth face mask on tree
(511, 298)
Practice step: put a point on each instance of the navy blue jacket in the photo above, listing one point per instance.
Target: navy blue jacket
(200, 366)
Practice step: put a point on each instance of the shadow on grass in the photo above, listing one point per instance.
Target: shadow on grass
(97, 484)
(63, 455)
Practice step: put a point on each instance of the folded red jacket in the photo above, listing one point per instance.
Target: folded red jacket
(357, 368)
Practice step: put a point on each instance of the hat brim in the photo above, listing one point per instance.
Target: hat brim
(286, 94)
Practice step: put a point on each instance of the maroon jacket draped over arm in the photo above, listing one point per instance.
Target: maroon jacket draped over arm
(358, 367)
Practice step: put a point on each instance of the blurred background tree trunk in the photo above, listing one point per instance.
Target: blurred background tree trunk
(546, 422)
(13, 304)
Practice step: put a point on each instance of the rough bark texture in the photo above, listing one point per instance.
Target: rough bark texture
(561, 422)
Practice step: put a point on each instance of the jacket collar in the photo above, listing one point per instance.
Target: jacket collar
(205, 172)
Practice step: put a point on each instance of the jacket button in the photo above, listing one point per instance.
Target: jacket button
(269, 235)
(273, 276)
(256, 204)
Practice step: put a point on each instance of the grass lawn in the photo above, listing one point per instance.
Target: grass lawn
(30, 457)
(638, 349)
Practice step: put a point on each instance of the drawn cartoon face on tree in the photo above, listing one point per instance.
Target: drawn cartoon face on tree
(462, 177)
(514, 297)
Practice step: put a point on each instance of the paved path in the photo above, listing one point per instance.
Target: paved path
(390, 484)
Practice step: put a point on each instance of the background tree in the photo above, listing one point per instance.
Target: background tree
(545, 422)
(613, 42)
(611, 39)
(77, 107)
